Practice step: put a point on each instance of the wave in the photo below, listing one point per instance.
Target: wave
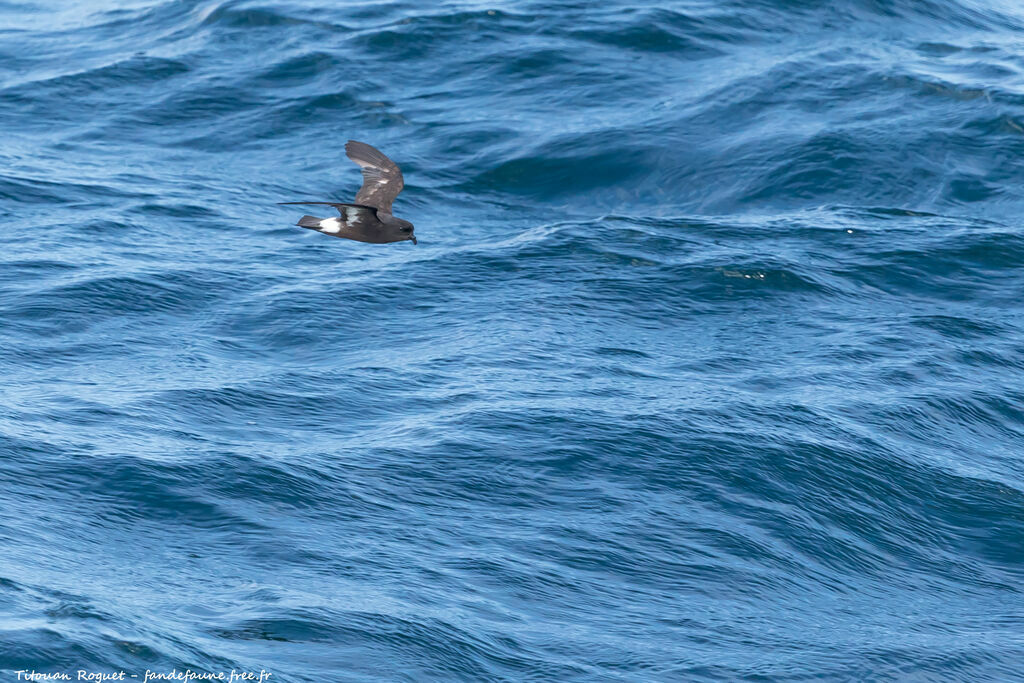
(714, 318)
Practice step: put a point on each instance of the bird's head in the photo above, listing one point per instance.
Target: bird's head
(405, 229)
(396, 229)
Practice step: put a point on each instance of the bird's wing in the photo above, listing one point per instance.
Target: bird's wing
(382, 179)
(349, 212)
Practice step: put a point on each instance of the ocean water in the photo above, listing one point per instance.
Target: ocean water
(708, 366)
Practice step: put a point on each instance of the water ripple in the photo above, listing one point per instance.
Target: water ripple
(707, 365)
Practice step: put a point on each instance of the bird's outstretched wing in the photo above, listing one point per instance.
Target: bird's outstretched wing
(348, 210)
(382, 179)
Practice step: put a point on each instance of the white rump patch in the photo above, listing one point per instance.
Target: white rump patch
(331, 225)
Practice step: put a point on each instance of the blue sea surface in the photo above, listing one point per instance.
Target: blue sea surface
(708, 366)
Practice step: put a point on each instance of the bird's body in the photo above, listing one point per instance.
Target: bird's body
(369, 219)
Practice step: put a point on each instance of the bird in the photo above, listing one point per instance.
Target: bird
(369, 218)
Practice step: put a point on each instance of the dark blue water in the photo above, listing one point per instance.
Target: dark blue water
(709, 364)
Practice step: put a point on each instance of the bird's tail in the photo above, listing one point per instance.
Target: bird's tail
(311, 222)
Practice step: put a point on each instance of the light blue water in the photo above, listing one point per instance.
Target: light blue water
(708, 365)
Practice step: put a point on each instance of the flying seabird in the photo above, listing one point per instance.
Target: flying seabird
(369, 219)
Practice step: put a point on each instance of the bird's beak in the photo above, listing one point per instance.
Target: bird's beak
(413, 238)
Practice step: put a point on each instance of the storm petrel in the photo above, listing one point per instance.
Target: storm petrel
(369, 219)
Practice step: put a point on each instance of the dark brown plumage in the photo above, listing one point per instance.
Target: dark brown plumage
(369, 218)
